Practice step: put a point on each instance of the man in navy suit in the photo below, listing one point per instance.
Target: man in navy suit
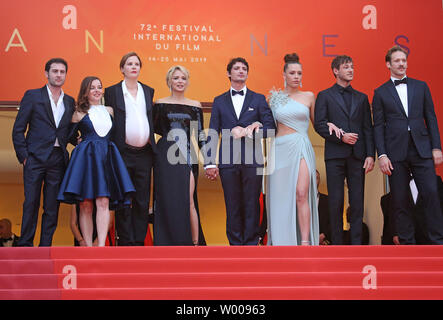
(349, 156)
(133, 134)
(408, 142)
(45, 115)
(243, 117)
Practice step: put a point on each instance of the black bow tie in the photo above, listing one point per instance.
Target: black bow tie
(8, 239)
(346, 89)
(404, 80)
(233, 92)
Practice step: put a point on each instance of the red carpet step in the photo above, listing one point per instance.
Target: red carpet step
(223, 273)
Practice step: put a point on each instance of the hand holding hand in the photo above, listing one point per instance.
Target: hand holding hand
(253, 127)
(350, 138)
(333, 128)
(238, 132)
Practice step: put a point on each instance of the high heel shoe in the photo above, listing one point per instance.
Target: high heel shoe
(305, 243)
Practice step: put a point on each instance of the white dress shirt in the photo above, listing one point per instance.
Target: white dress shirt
(58, 109)
(238, 100)
(137, 124)
(402, 90)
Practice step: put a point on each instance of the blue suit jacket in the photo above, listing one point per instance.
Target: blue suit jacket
(223, 119)
(35, 115)
(391, 123)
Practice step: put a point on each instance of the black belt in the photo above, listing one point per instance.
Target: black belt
(138, 149)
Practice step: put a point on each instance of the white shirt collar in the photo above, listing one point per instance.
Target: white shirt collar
(50, 93)
(125, 89)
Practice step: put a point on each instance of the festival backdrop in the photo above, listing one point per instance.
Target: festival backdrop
(203, 35)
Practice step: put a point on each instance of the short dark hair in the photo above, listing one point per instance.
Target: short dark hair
(55, 60)
(392, 50)
(338, 61)
(234, 61)
(127, 56)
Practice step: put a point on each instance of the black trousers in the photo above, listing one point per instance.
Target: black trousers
(241, 187)
(337, 170)
(35, 174)
(132, 223)
(423, 172)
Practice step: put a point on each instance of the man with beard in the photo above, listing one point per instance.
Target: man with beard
(45, 115)
(408, 142)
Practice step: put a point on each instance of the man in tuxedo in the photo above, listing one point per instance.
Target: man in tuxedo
(350, 154)
(133, 134)
(243, 117)
(45, 115)
(7, 237)
(408, 141)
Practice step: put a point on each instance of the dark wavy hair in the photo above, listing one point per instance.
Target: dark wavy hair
(338, 61)
(56, 60)
(234, 61)
(82, 99)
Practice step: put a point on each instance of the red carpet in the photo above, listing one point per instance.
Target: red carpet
(222, 273)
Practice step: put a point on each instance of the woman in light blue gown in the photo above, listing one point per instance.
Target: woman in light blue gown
(291, 190)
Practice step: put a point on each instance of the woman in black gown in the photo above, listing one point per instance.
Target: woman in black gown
(177, 119)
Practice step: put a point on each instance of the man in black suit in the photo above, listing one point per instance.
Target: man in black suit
(349, 155)
(7, 237)
(242, 115)
(408, 141)
(133, 134)
(45, 115)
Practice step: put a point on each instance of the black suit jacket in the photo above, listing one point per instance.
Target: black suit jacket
(114, 98)
(35, 115)
(330, 107)
(391, 123)
(255, 108)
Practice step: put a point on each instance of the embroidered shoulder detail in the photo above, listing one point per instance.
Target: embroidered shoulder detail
(277, 98)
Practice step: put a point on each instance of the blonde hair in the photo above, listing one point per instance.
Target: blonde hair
(171, 72)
